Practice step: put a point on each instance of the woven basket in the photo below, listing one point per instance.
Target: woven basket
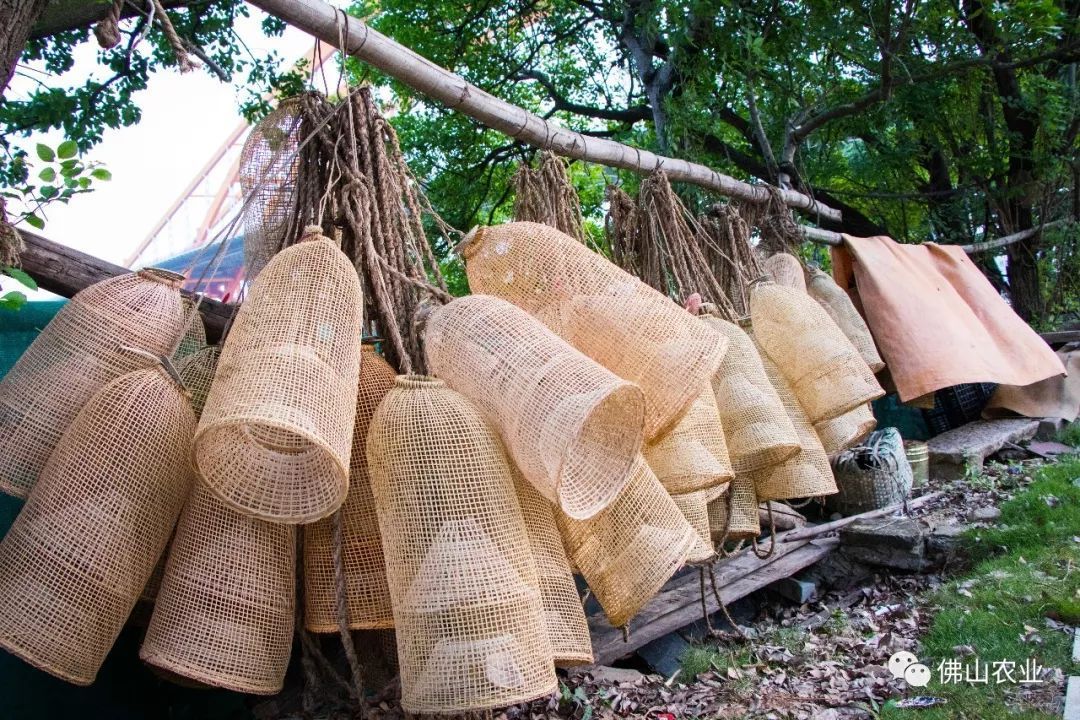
(365, 571)
(268, 176)
(694, 507)
(466, 599)
(785, 269)
(572, 427)
(275, 435)
(873, 475)
(617, 320)
(564, 616)
(194, 337)
(806, 474)
(627, 552)
(838, 305)
(849, 429)
(225, 612)
(758, 431)
(74, 357)
(693, 455)
(740, 521)
(825, 370)
(75, 561)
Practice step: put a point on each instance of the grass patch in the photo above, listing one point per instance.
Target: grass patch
(1026, 570)
(702, 658)
(1070, 434)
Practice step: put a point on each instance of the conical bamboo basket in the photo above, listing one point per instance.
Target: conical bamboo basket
(467, 605)
(849, 429)
(734, 515)
(824, 369)
(368, 595)
(693, 455)
(785, 269)
(617, 320)
(275, 436)
(694, 507)
(564, 616)
(75, 561)
(758, 430)
(627, 552)
(838, 305)
(77, 354)
(572, 427)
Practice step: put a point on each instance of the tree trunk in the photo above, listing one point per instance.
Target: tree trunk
(17, 17)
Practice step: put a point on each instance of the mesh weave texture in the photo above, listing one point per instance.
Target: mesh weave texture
(838, 304)
(627, 552)
(77, 557)
(825, 370)
(365, 571)
(617, 320)
(873, 475)
(693, 455)
(785, 269)
(744, 523)
(466, 599)
(572, 427)
(275, 436)
(75, 356)
(694, 507)
(849, 429)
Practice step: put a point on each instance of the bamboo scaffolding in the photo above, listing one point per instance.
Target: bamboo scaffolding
(330, 25)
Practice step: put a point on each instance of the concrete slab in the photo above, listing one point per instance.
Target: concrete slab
(897, 543)
(1072, 699)
(969, 445)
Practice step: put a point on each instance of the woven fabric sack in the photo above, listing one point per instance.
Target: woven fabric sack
(758, 430)
(465, 594)
(564, 616)
(74, 357)
(694, 507)
(841, 309)
(77, 557)
(693, 455)
(825, 370)
(627, 552)
(785, 269)
(805, 474)
(873, 475)
(617, 320)
(734, 515)
(366, 591)
(224, 614)
(194, 337)
(268, 176)
(572, 427)
(847, 430)
(276, 432)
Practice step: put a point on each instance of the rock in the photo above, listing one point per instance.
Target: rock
(1049, 428)
(613, 675)
(984, 515)
(897, 543)
(663, 655)
(797, 591)
(969, 445)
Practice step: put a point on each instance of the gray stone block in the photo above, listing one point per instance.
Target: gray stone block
(969, 445)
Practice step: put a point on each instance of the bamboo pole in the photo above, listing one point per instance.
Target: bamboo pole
(828, 237)
(330, 25)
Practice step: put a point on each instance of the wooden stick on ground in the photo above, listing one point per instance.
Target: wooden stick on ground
(817, 530)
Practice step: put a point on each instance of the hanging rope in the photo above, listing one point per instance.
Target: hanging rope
(107, 30)
(546, 195)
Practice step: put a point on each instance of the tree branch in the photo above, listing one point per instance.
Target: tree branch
(629, 115)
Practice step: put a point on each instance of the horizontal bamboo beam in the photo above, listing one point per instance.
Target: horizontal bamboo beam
(828, 237)
(330, 25)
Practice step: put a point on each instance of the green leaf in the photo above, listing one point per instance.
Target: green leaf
(67, 149)
(12, 300)
(47, 174)
(34, 221)
(101, 174)
(45, 152)
(48, 191)
(22, 276)
(84, 182)
(69, 171)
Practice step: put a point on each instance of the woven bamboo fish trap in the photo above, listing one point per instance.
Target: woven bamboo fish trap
(276, 432)
(572, 427)
(805, 474)
(564, 616)
(466, 600)
(74, 357)
(75, 561)
(366, 591)
(734, 515)
(847, 430)
(224, 614)
(758, 430)
(694, 507)
(785, 269)
(268, 179)
(627, 552)
(194, 337)
(617, 320)
(693, 455)
(873, 475)
(841, 309)
(825, 370)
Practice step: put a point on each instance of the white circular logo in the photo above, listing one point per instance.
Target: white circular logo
(900, 661)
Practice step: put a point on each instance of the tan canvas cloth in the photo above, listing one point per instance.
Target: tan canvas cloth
(1055, 397)
(937, 320)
